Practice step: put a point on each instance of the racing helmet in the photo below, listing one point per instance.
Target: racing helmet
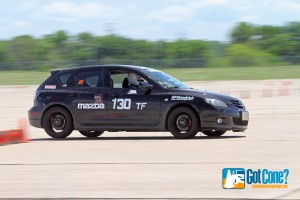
(133, 79)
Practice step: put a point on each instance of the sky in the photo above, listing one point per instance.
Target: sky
(142, 19)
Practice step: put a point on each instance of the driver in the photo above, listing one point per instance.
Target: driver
(133, 81)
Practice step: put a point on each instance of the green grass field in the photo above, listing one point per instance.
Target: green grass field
(184, 74)
(237, 73)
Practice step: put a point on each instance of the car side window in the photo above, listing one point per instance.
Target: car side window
(119, 79)
(64, 78)
(89, 79)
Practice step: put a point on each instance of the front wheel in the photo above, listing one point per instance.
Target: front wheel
(57, 122)
(213, 133)
(183, 123)
(91, 134)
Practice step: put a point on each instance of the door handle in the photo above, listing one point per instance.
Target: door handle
(115, 95)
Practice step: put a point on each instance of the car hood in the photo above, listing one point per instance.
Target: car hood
(204, 94)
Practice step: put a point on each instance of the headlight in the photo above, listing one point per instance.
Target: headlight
(215, 102)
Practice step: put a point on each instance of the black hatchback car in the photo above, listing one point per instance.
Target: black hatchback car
(95, 99)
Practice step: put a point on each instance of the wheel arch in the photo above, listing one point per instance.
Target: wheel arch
(186, 105)
(56, 105)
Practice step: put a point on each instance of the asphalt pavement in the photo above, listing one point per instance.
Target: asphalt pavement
(152, 165)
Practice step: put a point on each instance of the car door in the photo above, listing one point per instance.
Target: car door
(131, 107)
(89, 98)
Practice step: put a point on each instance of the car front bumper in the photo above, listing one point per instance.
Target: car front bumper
(231, 120)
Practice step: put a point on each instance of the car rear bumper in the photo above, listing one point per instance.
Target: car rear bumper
(34, 118)
(35, 123)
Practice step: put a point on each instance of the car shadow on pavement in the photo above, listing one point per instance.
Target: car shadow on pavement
(137, 138)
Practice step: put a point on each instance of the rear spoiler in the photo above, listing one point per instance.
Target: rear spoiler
(53, 72)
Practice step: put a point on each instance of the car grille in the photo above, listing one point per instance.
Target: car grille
(238, 104)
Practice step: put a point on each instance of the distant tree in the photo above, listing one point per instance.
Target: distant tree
(21, 48)
(217, 49)
(250, 45)
(82, 47)
(266, 32)
(58, 38)
(187, 49)
(3, 51)
(293, 29)
(85, 37)
(244, 55)
(159, 50)
(281, 44)
(112, 46)
(43, 49)
(242, 32)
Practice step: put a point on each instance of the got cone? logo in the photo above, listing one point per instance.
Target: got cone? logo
(233, 178)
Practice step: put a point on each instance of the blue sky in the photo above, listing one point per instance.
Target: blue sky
(152, 20)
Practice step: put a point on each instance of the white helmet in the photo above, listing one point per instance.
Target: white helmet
(133, 79)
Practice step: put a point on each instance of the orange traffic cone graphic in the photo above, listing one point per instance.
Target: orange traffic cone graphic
(14, 135)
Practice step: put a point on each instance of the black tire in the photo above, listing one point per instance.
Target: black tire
(91, 134)
(213, 133)
(183, 123)
(57, 122)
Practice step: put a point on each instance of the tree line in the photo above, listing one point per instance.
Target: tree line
(250, 45)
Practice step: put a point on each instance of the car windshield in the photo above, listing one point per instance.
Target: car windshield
(163, 79)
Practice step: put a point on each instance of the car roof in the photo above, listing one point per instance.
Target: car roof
(100, 66)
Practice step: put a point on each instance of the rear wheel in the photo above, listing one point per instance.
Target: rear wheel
(57, 122)
(91, 134)
(213, 133)
(183, 123)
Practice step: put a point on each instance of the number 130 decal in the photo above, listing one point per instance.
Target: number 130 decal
(122, 104)
(125, 104)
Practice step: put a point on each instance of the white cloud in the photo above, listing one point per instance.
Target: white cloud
(209, 3)
(184, 10)
(244, 8)
(75, 11)
(20, 24)
(269, 12)
(202, 19)
(287, 4)
(27, 5)
(172, 13)
(252, 18)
